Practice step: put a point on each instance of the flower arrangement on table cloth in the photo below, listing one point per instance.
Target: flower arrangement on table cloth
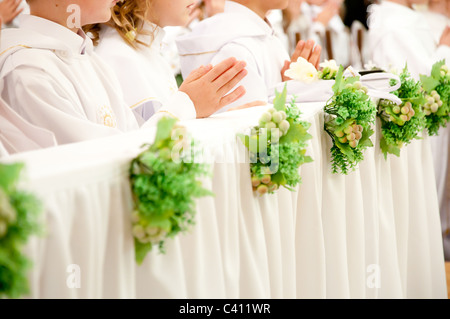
(349, 116)
(165, 183)
(437, 95)
(19, 219)
(400, 124)
(277, 147)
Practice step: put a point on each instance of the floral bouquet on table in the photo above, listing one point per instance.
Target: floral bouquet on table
(277, 147)
(329, 70)
(19, 215)
(164, 183)
(400, 124)
(306, 84)
(349, 115)
(437, 94)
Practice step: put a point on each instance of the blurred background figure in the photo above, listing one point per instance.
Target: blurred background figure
(276, 20)
(319, 20)
(398, 34)
(437, 17)
(355, 18)
(10, 10)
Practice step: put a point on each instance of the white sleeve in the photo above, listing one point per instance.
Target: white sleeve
(253, 82)
(43, 102)
(180, 106)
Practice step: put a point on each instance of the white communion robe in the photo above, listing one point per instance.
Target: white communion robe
(237, 32)
(52, 78)
(17, 135)
(399, 35)
(146, 78)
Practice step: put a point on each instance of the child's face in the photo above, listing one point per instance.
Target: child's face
(171, 12)
(95, 11)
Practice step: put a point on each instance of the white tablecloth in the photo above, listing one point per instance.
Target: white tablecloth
(372, 234)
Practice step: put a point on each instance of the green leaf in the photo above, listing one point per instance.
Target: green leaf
(365, 138)
(296, 133)
(436, 69)
(308, 159)
(279, 102)
(428, 83)
(388, 148)
(9, 175)
(338, 83)
(141, 250)
(162, 221)
(164, 129)
(278, 178)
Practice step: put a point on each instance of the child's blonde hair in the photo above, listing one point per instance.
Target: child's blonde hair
(128, 18)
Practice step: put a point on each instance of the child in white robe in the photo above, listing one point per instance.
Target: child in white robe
(50, 75)
(243, 32)
(399, 35)
(137, 54)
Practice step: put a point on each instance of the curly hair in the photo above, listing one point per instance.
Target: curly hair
(128, 18)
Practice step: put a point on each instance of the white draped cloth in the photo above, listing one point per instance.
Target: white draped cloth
(372, 234)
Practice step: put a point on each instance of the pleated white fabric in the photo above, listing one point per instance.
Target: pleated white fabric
(372, 234)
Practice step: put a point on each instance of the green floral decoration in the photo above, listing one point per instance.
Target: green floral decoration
(349, 116)
(19, 214)
(437, 95)
(277, 147)
(329, 70)
(400, 124)
(165, 183)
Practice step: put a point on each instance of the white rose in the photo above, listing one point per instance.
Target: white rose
(302, 71)
(331, 64)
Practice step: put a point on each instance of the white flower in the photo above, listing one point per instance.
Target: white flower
(331, 64)
(302, 71)
(370, 65)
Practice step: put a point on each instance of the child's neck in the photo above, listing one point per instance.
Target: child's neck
(255, 6)
(401, 2)
(55, 14)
